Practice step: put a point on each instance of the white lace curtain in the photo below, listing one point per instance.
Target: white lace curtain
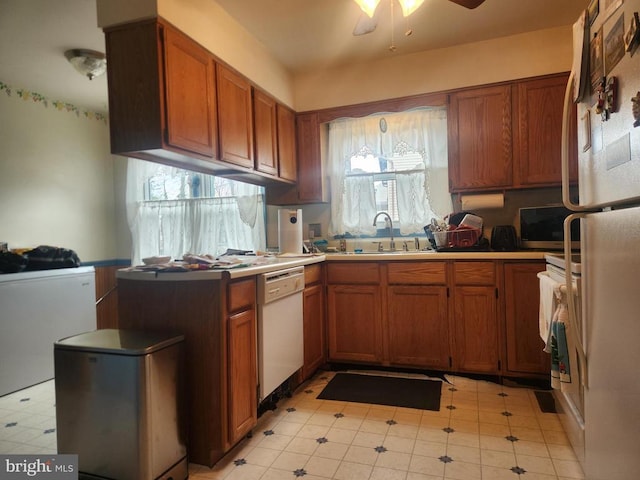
(422, 193)
(192, 225)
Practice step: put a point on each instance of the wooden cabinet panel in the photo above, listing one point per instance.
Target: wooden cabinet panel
(355, 323)
(311, 187)
(417, 273)
(314, 331)
(312, 274)
(522, 300)
(242, 374)
(235, 124)
(264, 118)
(418, 330)
(480, 139)
(241, 295)
(286, 120)
(221, 372)
(474, 273)
(538, 134)
(476, 330)
(190, 94)
(354, 273)
(162, 94)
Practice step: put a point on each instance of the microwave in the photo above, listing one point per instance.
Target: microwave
(542, 228)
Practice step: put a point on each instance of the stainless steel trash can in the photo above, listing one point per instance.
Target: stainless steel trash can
(120, 404)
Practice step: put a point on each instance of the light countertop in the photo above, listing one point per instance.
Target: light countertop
(266, 265)
(270, 264)
(431, 255)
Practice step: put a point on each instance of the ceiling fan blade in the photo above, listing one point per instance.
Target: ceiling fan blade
(365, 25)
(468, 3)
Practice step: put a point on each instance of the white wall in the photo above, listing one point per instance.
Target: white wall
(506, 58)
(57, 181)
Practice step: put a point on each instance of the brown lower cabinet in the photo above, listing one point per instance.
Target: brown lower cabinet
(418, 330)
(313, 304)
(475, 317)
(441, 315)
(218, 320)
(522, 297)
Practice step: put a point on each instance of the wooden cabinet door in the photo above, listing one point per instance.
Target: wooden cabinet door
(355, 323)
(480, 143)
(286, 119)
(417, 326)
(538, 132)
(314, 331)
(242, 400)
(310, 175)
(264, 126)
(475, 329)
(475, 317)
(235, 123)
(522, 300)
(190, 94)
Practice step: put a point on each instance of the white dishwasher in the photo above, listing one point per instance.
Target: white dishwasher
(280, 328)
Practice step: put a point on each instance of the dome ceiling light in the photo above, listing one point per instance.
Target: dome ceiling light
(88, 62)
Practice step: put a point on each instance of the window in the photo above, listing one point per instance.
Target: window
(383, 171)
(395, 163)
(173, 211)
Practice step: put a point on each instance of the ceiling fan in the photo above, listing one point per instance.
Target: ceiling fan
(367, 23)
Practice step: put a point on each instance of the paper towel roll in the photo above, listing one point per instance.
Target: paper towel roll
(290, 231)
(478, 202)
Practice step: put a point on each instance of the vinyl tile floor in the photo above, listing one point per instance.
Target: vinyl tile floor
(483, 431)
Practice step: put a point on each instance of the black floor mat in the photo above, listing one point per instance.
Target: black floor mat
(546, 402)
(384, 390)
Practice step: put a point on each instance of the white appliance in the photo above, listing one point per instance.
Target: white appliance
(280, 327)
(609, 196)
(290, 231)
(566, 377)
(37, 309)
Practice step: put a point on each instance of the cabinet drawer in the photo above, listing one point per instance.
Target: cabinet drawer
(353, 272)
(312, 274)
(241, 295)
(474, 273)
(412, 273)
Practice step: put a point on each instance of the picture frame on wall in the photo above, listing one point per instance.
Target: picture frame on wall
(632, 35)
(594, 9)
(614, 45)
(596, 61)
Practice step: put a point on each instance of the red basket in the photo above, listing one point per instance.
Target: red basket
(463, 237)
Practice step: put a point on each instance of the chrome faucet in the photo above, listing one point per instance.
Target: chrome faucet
(392, 244)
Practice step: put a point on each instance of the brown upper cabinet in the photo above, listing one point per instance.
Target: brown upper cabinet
(173, 102)
(286, 119)
(162, 98)
(508, 136)
(265, 141)
(538, 106)
(311, 186)
(274, 137)
(480, 133)
(235, 122)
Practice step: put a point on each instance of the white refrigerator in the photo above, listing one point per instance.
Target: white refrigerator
(609, 202)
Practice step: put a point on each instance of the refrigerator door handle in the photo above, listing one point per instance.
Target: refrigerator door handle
(571, 304)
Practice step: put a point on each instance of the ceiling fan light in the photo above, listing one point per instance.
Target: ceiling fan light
(368, 6)
(88, 62)
(410, 6)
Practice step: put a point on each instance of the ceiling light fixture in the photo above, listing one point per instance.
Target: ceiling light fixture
(368, 6)
(408, 6)
(88, 62)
